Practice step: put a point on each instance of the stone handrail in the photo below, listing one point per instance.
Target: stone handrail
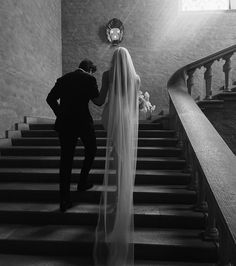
(209, 159)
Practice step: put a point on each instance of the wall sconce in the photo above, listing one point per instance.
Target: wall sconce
(114, 31)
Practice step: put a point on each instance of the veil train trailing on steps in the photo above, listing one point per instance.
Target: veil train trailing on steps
(115, 228)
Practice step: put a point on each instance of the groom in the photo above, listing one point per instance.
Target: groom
(73, 119)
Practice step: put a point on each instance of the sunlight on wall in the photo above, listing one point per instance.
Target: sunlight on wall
(192, 26)
(200, 5)
(233, 4)
(185, 26)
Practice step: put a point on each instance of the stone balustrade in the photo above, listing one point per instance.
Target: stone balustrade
(207, 63)
(210, 161)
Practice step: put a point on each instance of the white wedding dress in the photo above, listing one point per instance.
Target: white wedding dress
(114, 232)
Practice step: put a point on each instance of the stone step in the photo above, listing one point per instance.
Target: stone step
(43, 260)
(101, 151)
(99, 162)
(97, 126)
(145, 194)
(23, 260)
(99, 133)
(151, 215)
(156, 142)
(210, 104)
(171, 263)
(151, 244)
(227, 96)
(50, 175)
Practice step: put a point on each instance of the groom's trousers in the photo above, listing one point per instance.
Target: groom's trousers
(68, 140)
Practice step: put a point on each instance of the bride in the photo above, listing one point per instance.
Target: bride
(114, 232)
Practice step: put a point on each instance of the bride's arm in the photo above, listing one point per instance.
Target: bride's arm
(100, 100)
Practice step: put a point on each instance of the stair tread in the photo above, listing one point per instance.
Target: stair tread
(169, 263)
(92, 171)
(81, 147)
(54, 187)
(102, 130)
(104, 138)
(51, 121)
(95, 122)
(51, 158)
(88, 208)
(85, 234)
(36, 260)
(156, 141)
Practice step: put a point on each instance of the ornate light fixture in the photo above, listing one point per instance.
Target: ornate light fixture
(114, 31)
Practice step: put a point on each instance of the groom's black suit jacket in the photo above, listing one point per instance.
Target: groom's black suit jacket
(73, 90)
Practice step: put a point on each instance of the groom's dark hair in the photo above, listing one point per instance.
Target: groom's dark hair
(87, 65)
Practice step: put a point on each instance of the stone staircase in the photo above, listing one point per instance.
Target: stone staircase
(34, 232)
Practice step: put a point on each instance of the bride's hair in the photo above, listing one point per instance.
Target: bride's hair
(122, 69)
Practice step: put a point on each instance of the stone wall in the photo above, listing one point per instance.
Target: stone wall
(30, 57)
(223, 118)
(160, 37)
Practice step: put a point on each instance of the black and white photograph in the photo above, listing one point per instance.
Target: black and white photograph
(117, 132)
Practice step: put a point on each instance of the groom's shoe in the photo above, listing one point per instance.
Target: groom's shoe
(84, 186)
(64, 205)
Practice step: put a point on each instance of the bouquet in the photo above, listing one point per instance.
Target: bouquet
(145, 106)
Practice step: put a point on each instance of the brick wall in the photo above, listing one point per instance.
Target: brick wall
(158, 35)
(30, 57)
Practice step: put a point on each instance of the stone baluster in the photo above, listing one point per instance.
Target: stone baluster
(226, 70)
(225, 247)
(188, 155)
(180, 135)
(190, 81)
(172, 115)
(184, 145)
(201, 205)
(211, 232)
(193, 185)
(208, 80)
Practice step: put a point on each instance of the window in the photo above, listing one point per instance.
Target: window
(203, 5)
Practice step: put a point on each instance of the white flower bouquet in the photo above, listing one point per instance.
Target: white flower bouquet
(145, 106)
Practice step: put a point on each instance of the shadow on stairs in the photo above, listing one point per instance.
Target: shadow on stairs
(34, 232)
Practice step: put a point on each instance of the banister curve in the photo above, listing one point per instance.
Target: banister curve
(216, 160)
(201, 62)
(216, 56)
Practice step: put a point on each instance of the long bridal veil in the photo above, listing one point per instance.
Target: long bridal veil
(114, 232)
